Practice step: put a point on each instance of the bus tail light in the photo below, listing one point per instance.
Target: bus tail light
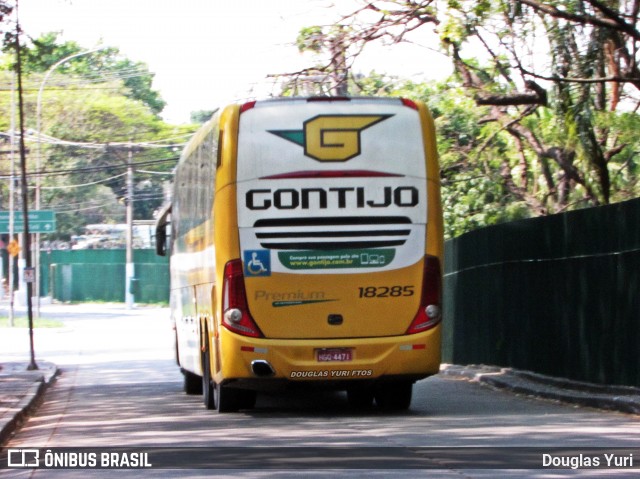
(430, 310)
(247, 106)
(410, 103)
(235, 309)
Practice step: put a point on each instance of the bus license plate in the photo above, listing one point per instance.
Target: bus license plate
(334, 355)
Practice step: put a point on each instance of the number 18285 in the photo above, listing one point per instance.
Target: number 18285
(385, 291)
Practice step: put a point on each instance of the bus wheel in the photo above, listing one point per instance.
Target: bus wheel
(394, 396)
(207, 384)
(360, 397)
(225, 400)
(232, 400)
(192, 383)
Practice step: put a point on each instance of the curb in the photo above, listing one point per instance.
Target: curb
(16, 414)
(625, 399)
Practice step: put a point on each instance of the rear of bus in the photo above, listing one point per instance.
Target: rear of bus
(338, 279)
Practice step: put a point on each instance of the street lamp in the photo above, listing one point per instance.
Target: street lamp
(39, 111)
(39, 157)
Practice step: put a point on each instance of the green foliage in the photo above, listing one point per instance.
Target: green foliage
(486, 179)
(103, 65)
(23, 322)
(44, 53)
(624, 166)
(201, 116)
(452, 31)
(471, 202)
(311, 39)
(527, 124)
(472, 186)
(473, 190)
(91, 113)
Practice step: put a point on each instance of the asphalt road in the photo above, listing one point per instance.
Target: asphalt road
(119, 386)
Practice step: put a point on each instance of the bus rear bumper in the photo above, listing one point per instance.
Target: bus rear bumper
(262, 362)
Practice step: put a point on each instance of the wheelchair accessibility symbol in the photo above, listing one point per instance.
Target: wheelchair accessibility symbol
(257, 263)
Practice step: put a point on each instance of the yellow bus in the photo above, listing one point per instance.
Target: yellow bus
(306, 248)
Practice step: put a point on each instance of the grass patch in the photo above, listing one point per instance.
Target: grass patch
(23, 322)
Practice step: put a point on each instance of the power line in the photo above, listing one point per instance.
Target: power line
(58, 209)
(93, 207)
(65, 80)
(156, 172)
(42, 138)
(78, 186)
(90, 168)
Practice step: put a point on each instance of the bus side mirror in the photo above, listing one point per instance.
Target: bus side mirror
(161, 231)
(161, 240)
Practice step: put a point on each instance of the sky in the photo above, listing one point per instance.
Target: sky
(205, 53)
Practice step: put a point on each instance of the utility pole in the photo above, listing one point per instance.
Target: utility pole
(12, 196)
(129, 266)
(26, 242)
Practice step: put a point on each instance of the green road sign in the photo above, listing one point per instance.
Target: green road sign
(40, 221)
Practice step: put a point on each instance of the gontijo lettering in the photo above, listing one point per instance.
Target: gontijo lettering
(328, 198)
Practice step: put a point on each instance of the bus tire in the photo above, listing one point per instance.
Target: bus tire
(175, 348)
(360, 397)
(232, 400)
(192, 383)
(394, 396)
(208, 394)
(225, 399)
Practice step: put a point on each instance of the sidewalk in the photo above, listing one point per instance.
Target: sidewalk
(20, 389)
(624, 399)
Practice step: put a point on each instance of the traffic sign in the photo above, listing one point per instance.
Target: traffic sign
(13, 248)
(29, 275)
(40, 221)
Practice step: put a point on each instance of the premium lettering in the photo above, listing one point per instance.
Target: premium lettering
(288, 295)
(321, 198)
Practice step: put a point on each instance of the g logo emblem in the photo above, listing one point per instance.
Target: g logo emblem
(331, 137)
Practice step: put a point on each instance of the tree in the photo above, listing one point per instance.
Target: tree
(553, 89)
(473, 192)
(330, 78)
(100, 66)
(6, 8)
(201, 116)
(92, 126)
(576, 153)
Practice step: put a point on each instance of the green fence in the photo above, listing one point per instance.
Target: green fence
(99, 275)
(558, 295)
